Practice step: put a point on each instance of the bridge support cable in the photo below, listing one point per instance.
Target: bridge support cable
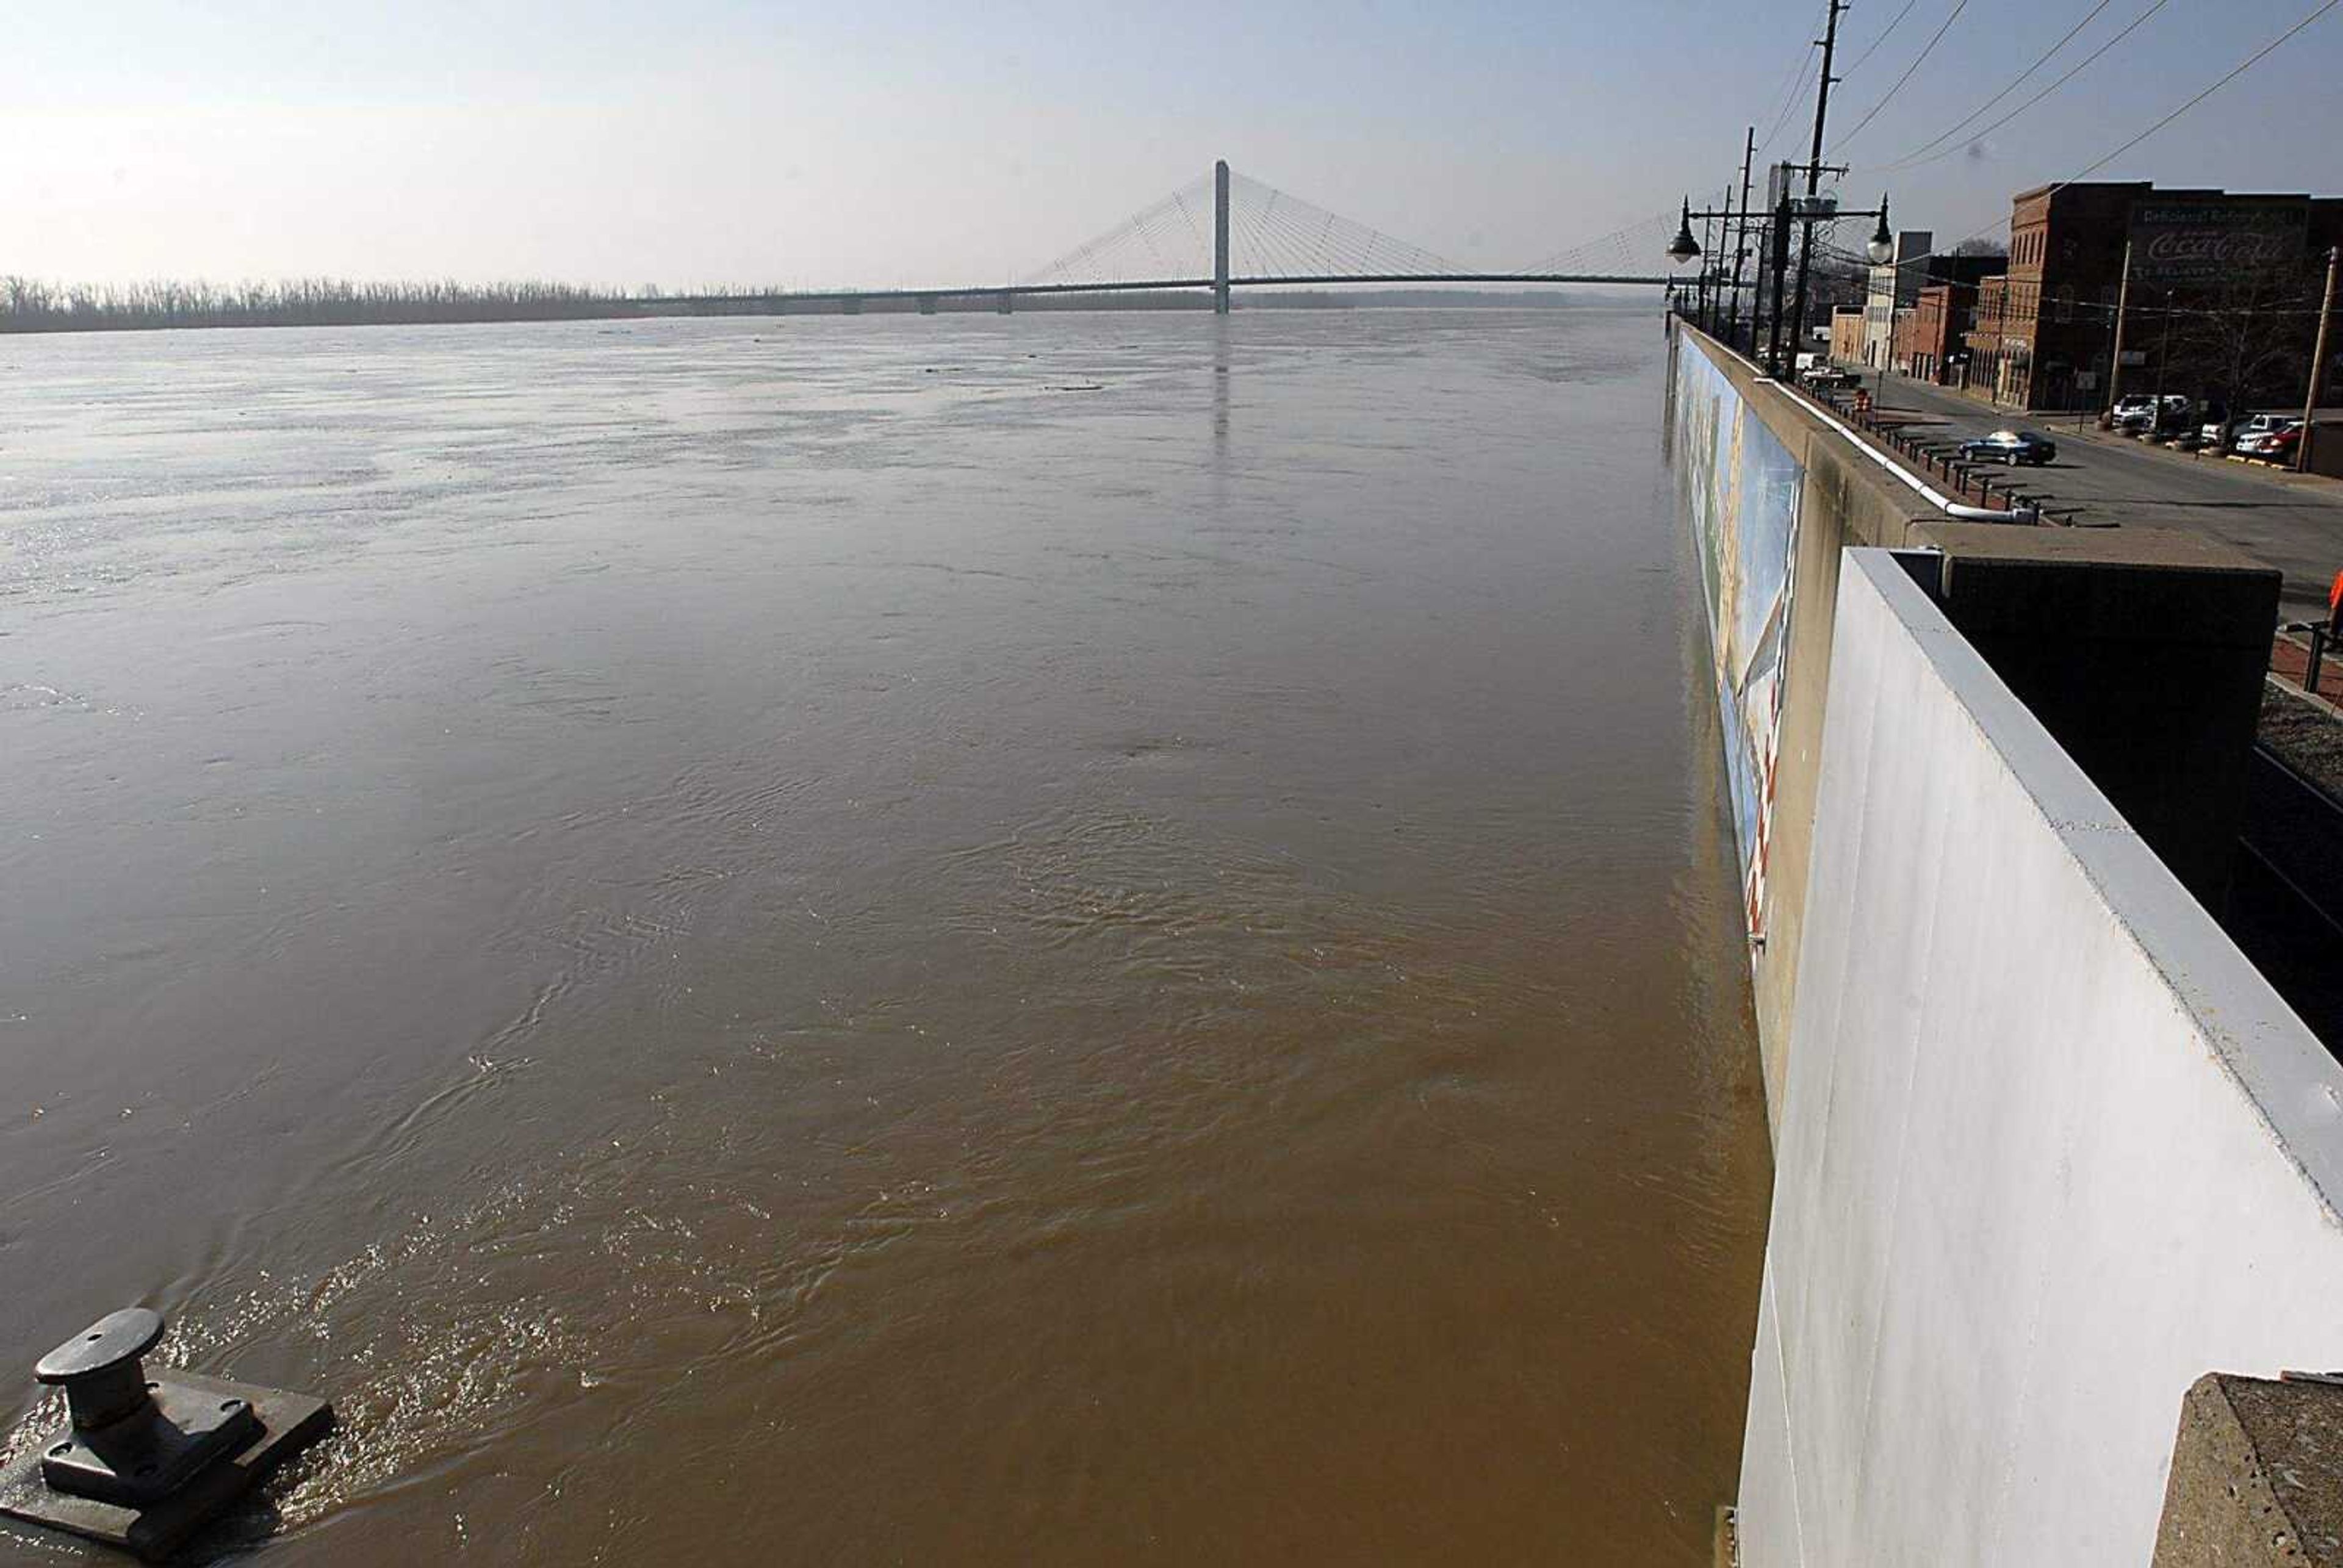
(1258, 232)
(1258, 235)
(1625, 251)
(1287, 236)
(1163, 240)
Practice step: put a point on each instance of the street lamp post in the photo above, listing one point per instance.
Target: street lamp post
(1683, 248)
(1681, 251)
(1880, 250)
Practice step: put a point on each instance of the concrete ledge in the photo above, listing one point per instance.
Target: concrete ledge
(2148, 548)
(2257, 1476)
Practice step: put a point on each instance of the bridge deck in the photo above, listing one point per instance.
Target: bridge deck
(1158, 284)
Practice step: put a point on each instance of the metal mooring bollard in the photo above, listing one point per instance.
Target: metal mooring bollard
(144, 1461)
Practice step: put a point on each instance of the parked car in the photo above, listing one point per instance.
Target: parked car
(2149, 415)
(2010, 447)
(2256, 434)
(2232, 435)
(2272, 443)
(2283, 446)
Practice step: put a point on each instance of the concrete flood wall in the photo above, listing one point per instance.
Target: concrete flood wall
(2048, 1150)
(1773, 495)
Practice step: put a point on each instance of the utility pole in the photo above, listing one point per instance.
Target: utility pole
(1717, 223)
(1716, 284)
(2115, 366)
(1778, 248)
(1712, 260)
(2318, 365)
(1829, 42)
(1700, 285)
(1740, 249)
(2163, 358)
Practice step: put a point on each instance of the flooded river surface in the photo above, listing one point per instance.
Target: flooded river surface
(1047, 940)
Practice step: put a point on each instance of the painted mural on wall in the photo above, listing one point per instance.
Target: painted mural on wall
(1741, 487)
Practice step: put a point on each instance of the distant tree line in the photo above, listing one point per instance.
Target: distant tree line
(31, 305)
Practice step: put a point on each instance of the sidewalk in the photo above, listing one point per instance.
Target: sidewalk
(2291, 656)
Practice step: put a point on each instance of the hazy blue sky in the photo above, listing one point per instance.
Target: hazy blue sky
(704, 141)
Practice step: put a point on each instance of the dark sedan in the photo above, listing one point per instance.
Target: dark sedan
(2011, 446)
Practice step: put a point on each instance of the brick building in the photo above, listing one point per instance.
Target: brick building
(1847, 335)
(1933, 331)
(1931, 335)
(2044, 333)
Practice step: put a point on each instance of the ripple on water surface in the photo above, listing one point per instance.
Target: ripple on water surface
(1068, 939)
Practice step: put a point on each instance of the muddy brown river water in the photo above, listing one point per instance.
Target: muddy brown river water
(1049, 939)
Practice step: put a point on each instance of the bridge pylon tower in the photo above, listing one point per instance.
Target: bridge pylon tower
(1221, 237)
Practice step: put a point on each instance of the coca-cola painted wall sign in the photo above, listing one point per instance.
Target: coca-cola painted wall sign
(2204, 242)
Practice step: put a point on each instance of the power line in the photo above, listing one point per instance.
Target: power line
(2017, 82)
(1884, 32)
(1789, 89)
(1789, 103)
(1913, 160)
(1889, 96)
(2256, 58)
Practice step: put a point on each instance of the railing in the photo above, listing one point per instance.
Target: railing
(1941, 460)
(2315, 656)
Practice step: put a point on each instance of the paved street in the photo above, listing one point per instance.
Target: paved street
(2296, 526)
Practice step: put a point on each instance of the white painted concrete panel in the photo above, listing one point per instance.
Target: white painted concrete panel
(1767, 1525)
(2049, 1150)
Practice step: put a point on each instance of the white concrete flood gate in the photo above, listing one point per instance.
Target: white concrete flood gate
(2048, 1147)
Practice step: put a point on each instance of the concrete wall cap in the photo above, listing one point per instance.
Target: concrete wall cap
(2144, 549)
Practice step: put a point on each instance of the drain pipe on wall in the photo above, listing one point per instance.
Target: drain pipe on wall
(1958, 510)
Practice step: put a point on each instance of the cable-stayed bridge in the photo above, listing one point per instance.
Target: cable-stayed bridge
(1225, 231)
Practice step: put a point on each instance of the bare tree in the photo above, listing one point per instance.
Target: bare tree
(2247, 339)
